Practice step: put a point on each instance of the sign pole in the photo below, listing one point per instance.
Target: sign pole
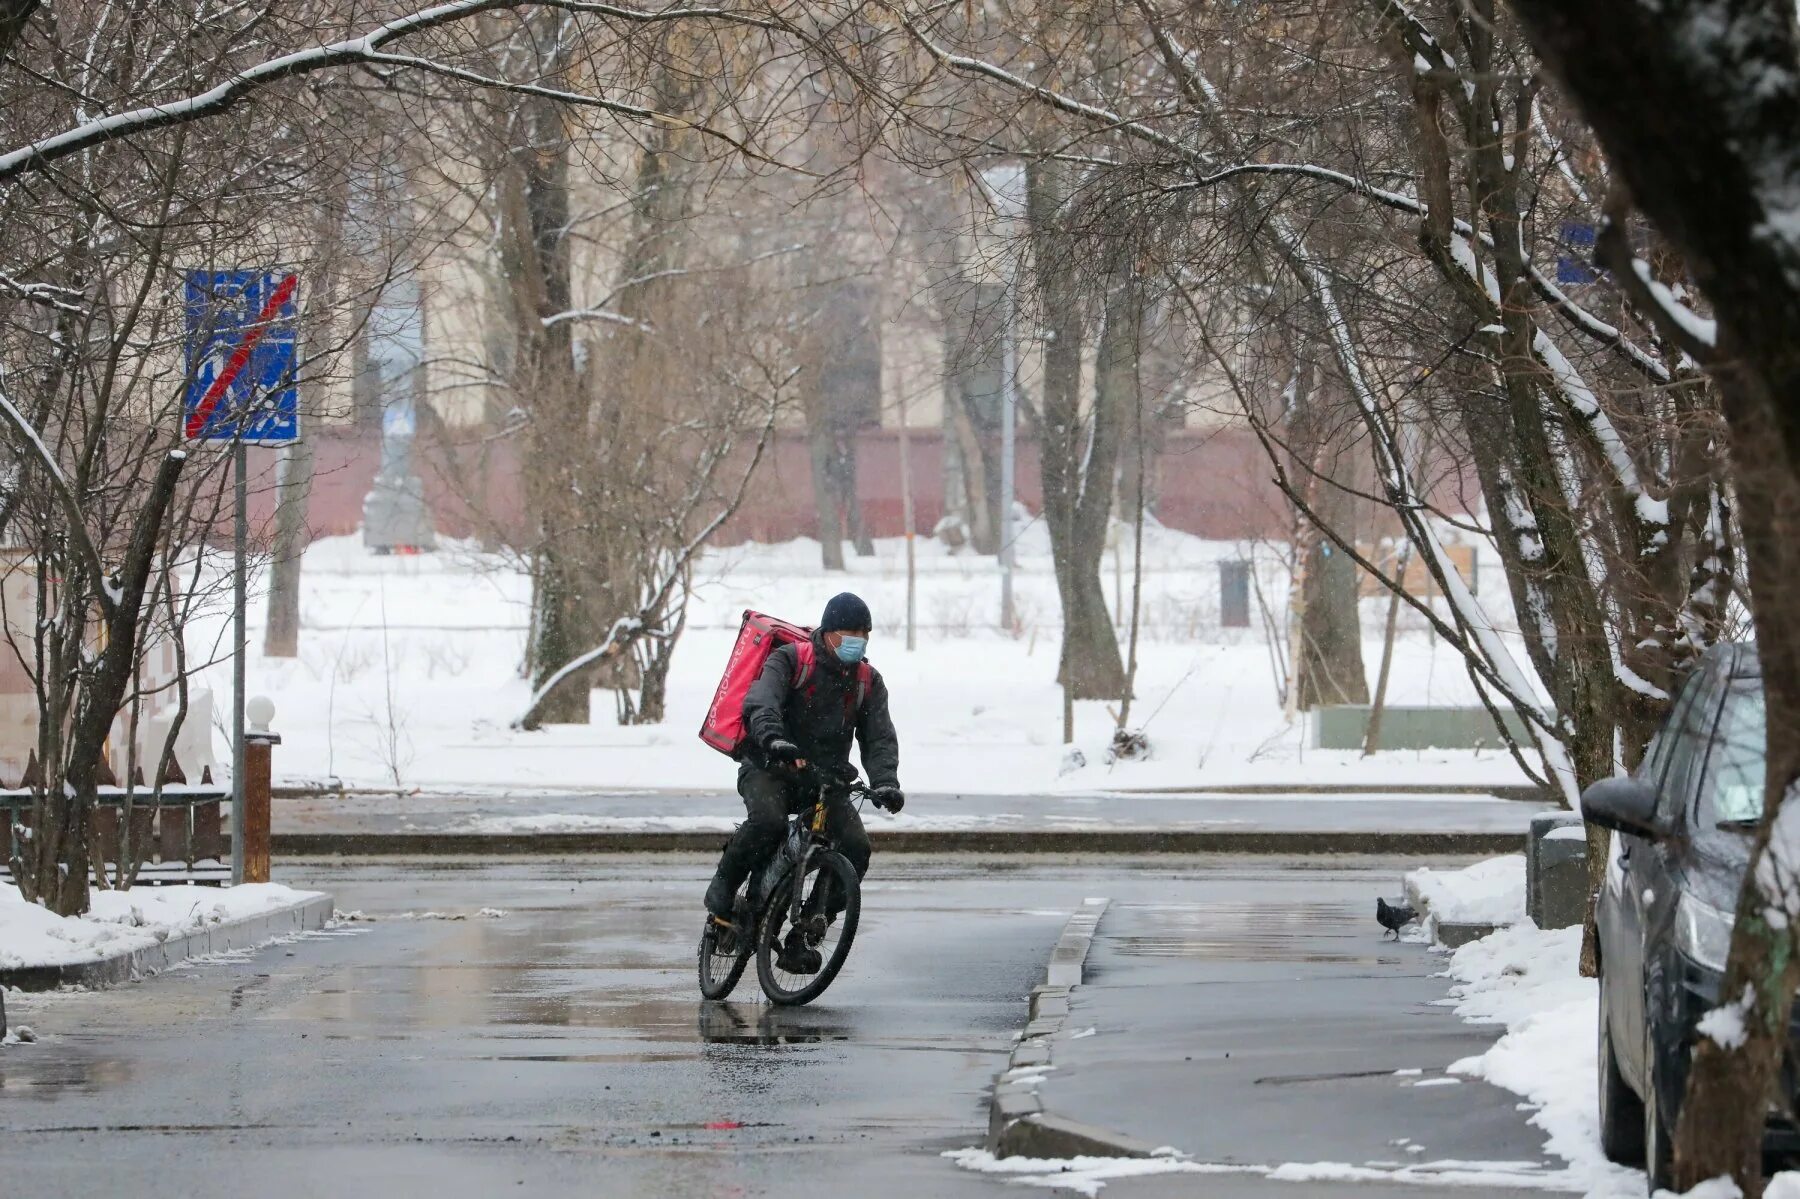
(1009, 393)
(240, 539)
(243, 354)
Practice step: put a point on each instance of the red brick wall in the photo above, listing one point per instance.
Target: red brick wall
(1214, 484)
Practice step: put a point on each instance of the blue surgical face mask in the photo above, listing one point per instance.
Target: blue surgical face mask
(850, 649)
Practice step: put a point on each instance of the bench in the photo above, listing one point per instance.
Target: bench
(178, 836)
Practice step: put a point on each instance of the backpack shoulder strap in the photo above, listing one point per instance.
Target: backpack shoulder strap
(803, 652)
(865, 678)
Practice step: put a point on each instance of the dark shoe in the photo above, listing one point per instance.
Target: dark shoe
(721, 899)
(796, 957)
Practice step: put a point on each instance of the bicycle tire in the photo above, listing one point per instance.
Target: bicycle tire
(774, 923)
(719, 973)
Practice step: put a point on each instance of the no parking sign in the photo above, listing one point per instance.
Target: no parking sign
(243, 343)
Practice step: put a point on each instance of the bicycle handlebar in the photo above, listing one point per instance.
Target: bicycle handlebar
(852, 786)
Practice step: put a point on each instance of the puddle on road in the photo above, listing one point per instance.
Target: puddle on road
(732, 1024)
(1318, 932)
(35, 1073)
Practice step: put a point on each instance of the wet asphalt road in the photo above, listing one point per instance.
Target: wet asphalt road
(562, 1047)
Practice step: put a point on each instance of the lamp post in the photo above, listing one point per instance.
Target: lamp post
(1005, 188)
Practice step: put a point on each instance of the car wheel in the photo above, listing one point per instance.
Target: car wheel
(1622, 1120)
(1659, 1149)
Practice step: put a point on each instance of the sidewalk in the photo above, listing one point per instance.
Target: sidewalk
(1279, 1036)
(622, 821)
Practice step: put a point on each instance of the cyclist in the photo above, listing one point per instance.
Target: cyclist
(810, 724)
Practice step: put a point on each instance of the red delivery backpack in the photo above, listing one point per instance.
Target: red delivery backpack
(759, 637)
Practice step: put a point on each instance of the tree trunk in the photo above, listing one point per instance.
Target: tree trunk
(281, 636)
(1378, 704)
(535, 256)
(825, 497)
(1331, 660)
(1079, 451)
(977, 407)
(845, 473)
(1330, 631)
(60, 861)
(561, 635)
(976, 500)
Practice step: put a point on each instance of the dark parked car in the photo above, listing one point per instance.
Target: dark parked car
(1683, 825)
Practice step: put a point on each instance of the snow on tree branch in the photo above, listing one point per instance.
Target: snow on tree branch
(364, 49)
(62, 299)
(33, 443)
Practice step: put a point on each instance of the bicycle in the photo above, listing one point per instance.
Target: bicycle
(805, 901)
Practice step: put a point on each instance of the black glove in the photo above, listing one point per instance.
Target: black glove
(780, 749)
(891, 798)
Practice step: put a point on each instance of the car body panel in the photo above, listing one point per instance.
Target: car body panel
(1656, 995)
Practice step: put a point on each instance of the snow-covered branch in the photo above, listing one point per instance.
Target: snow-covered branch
(575, 99)
(26, 434)
(1694, 335)
(62, 299)
(364, 49)
(603, 315)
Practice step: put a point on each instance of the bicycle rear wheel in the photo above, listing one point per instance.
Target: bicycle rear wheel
(831, 902)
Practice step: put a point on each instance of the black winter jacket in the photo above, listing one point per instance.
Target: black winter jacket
(819, 717)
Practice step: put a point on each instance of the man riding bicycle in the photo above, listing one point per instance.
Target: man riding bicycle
(799, 717)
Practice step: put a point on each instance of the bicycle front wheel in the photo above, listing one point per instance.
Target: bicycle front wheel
(805, 935)
(724, 953)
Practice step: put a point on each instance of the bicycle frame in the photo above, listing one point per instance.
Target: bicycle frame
(825, 790)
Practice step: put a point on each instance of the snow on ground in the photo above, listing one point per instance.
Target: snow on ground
(408, 676)
(123, 921)
(1529, 981)
(1089, 1175)
(1488, 892)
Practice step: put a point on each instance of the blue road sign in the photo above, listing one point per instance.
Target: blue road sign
(243, 349)
(1577, 268)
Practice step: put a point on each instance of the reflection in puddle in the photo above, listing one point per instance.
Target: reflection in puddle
(40, 1075)
(1232, 931)
(730, 1024)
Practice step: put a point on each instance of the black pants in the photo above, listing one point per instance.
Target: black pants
(768, 799)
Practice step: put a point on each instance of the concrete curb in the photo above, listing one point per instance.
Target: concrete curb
(1018, 1125)
(139, 963)
(975, 841)
(1526, 792)
(1521, 792)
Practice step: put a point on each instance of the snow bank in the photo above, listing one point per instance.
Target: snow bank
(1084, 1175)
(1489, 892)
(1530, 982)
(1088, 1175)
(123, 921)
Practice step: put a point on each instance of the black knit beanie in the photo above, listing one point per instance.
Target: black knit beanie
(845, 611)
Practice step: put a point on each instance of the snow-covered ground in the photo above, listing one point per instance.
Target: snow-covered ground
(408, 676)
(124, 921)
(1489, 892)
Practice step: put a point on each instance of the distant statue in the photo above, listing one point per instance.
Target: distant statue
(395, 518)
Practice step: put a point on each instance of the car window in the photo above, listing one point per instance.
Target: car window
(1656, 758)
(1690, 732)
(1733, 788)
